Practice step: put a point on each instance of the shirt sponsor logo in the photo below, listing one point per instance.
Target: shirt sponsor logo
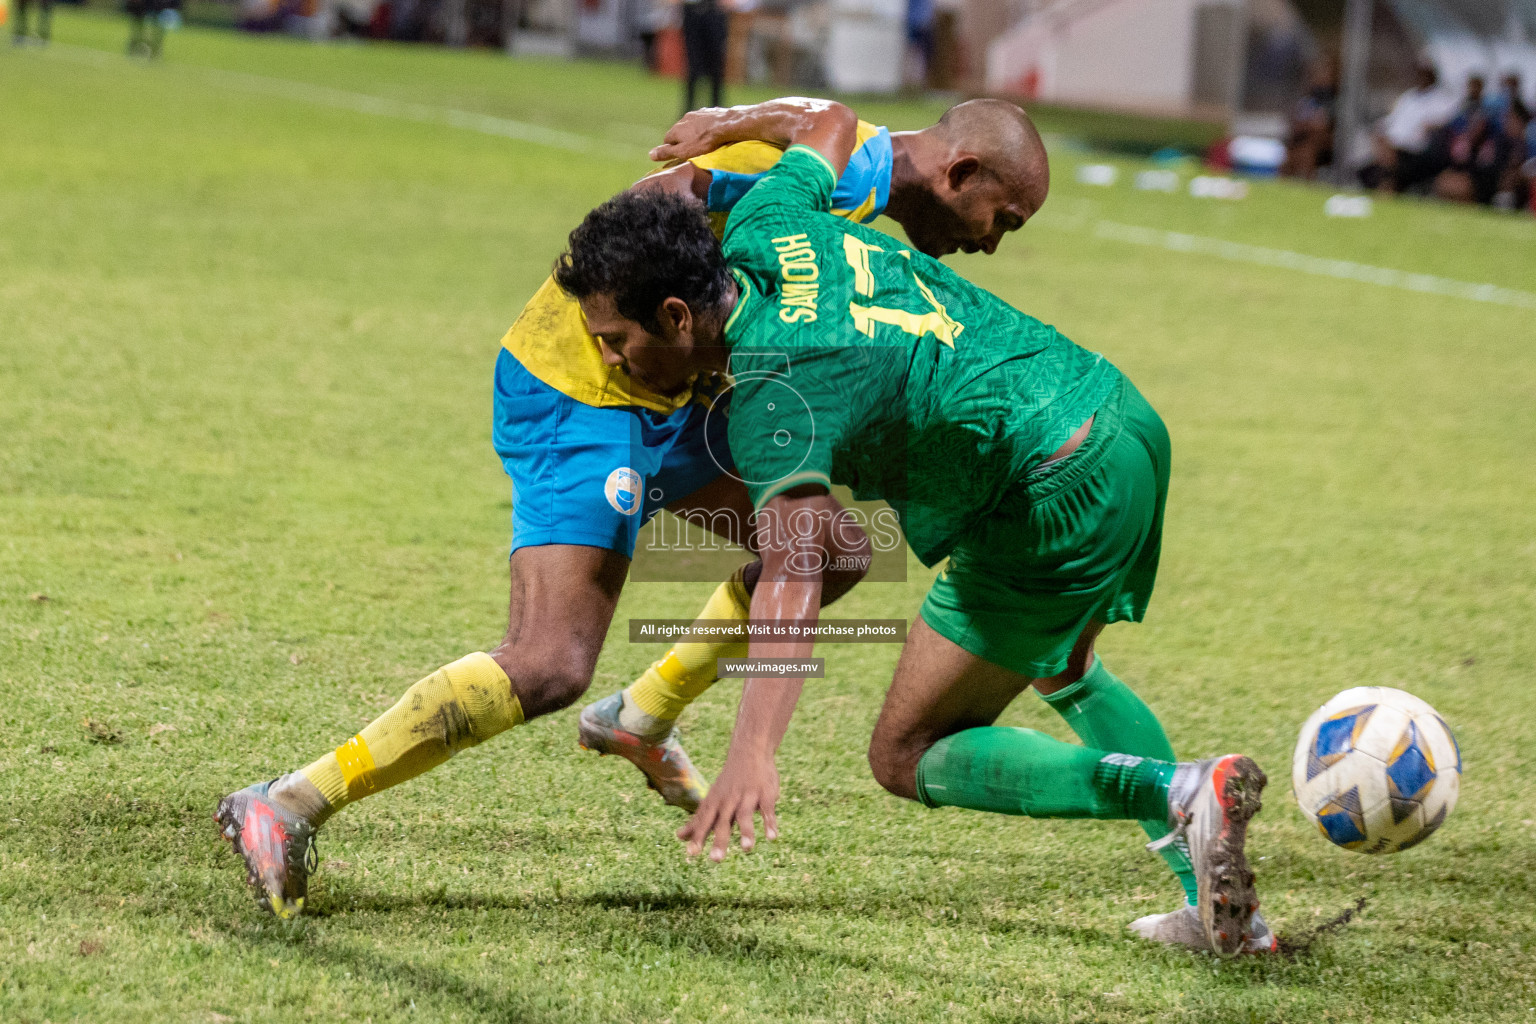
(797, 266)
(624, 488)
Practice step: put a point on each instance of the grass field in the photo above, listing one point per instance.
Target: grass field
(247, 496)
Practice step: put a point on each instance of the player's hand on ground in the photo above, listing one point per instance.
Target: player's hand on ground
(745, 788)
(697, 133)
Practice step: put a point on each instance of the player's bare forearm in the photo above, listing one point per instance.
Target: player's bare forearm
(826, 126)
(748, 784)
(768, 702)
(797, 535)
(788, 591)
(780, 122)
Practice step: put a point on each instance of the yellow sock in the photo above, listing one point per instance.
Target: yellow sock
(454, 708)
(688, 669)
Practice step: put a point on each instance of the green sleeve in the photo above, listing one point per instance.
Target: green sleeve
(787, 414)
(800, 183)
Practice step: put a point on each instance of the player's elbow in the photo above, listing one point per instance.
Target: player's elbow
(842, 116)
(849, 554)
(841, 112)
(805, 534)
(824, 125)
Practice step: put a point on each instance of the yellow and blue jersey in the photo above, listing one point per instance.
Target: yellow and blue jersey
(550, 338)
(860, 195)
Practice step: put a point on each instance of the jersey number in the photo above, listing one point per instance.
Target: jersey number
(936, 321)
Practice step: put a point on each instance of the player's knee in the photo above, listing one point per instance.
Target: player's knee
(554, 687)
(895, 767)
(1050, 684)
(546, 681)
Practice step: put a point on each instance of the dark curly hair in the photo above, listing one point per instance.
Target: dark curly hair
(641, 248)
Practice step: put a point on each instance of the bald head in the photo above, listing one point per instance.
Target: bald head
(1003, 138)
(964, 183)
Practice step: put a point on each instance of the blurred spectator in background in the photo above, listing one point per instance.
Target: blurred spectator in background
(656, 16)
(19, 32)
(1515, 126)
(1500, 102)
(1528, 167)
(946, 55)
(147, 21)
(1407, 143)
(1471, 144)
(1511, 118)
(407, 19)
(353, 18)
(1309, 140)
(705, 30)
(265, 16)
(919, 52)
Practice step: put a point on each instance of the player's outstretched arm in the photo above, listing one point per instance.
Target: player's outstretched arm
(799, 533)
(826, 126)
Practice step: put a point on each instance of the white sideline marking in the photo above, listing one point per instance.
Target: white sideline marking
(486, 124)
(1345, 270)
(380, 106)
(363, 103)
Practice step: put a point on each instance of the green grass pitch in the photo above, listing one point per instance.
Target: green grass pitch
(247, 496)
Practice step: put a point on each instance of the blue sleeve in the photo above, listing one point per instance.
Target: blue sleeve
(727, 187)
(868, 171)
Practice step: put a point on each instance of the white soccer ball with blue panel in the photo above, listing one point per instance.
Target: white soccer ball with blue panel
(1377, 770)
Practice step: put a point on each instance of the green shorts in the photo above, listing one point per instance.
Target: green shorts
(1076, 542)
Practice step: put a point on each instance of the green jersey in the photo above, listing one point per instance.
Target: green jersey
(859, 362)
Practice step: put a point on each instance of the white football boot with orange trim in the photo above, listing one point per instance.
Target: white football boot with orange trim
(664, 763)
(277, 845)
(1209, 805)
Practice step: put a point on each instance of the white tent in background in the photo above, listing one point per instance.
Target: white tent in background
(1162, 56)
(1474, 37)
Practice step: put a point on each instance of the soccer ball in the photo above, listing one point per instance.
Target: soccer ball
(1376, 769)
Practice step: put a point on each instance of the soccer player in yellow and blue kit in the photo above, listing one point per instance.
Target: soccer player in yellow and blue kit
(593, 453)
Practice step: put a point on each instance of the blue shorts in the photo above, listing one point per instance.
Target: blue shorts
(593, 476)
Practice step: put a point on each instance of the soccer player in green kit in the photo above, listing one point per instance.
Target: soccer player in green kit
(1032, 465)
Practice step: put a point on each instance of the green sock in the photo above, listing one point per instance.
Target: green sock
(1021, 771)
(1107, 715)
